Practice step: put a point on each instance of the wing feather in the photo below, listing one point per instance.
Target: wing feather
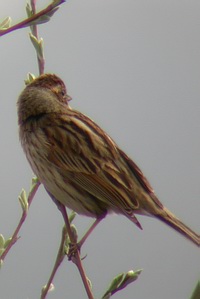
(86, 155)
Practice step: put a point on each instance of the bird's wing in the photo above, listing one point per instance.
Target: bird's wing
(86, 155)
(77, 144)
(135, 170)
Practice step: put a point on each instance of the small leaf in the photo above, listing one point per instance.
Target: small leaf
(72, 216)
(58, 2)
(29, 10)
(38, 45)
(51, 288)
(68, 241)
(107, 296)
(34, 180)
(74, 232)
(23, 200)
(5, 24)
(30, 78)
(89, 282)
(1, 262)
(40, 51)
(120, 282)
(116, 282)
(196, 292)
(130, 277)
(51, 13)
(7, 242)
(113, 286)
(2, 241)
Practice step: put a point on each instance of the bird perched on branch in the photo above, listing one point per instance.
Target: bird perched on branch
(80, 166)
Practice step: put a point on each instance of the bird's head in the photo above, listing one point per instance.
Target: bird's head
(46, 94)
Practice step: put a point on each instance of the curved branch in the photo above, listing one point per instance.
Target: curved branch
(42, 16)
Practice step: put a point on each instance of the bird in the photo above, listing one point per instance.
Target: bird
(79, 164)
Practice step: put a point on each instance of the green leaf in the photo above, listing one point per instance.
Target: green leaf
(38, 45)
(2, 241)
(1, 262)
(113, 286)
(196, 292)
(120, 282)
(51, 288)
(89, 283)
(58, 2)
(51, 13)
(23, 200)
(29, 10)
(74, 232)
(34, 180)
(72, 216)
(5, 24)
(30, 78)
(107, 296)
(130, 277)
(68, 241)
(7, 242)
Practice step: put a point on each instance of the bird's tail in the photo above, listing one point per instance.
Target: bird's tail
(168, 218)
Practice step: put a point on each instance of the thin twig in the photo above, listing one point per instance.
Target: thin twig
(15, 236)
(59, 259)
(77, 261)
(33, 6)
(32, 19)
(40, 59)
(75, 256)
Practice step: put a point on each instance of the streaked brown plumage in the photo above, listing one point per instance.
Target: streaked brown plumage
(79, 164)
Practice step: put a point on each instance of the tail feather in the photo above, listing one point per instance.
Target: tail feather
(179, 226)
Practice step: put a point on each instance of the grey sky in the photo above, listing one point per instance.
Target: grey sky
(133, 67)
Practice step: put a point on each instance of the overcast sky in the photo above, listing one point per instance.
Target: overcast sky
(134, 67)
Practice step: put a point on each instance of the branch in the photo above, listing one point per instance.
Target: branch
(38, 44)
(59, 259)
(25, 205)
(41, 17)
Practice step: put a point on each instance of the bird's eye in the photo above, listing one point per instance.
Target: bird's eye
(63, 93)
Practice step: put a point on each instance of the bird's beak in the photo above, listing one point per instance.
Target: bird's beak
(68, 98)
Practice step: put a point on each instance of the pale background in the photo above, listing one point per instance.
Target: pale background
(134, 67)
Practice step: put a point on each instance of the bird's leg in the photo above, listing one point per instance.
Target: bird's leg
(74, 252)
(74, 248)
(90, 230)
(63, 211)
(74, 245)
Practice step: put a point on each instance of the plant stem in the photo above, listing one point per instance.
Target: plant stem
(41, 61)
(75, 256)
(29, 21)
(15, 236)
(59, 259)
